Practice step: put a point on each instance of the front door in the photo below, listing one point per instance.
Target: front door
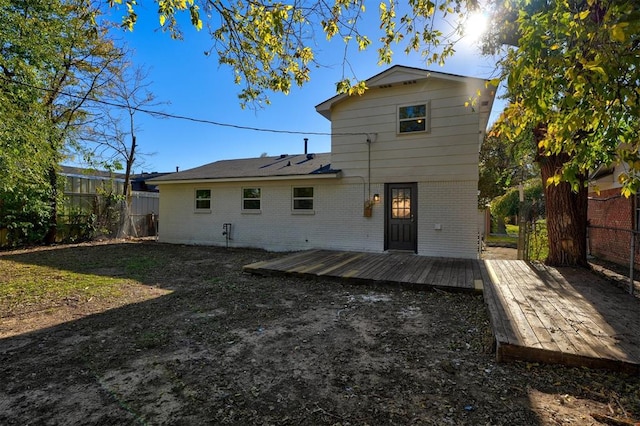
(401, 219)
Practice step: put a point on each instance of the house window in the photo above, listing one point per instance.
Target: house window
(412, 118)
(203, 200)
(303, 198)
(251, 199)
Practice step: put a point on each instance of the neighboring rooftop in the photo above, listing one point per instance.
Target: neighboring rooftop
(261, 167)
(88, 172)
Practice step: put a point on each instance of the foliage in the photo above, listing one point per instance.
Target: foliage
(24, 212)
(575, 70)
(77, 226)
(537, 240)
(55, 58)
(271, 45)
(503, 164)
(509, 203)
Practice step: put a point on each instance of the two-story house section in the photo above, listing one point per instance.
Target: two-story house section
(402, 174)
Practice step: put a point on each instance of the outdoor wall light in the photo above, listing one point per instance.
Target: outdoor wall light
(376, 198)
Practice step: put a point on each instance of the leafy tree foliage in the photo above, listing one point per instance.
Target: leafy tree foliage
(504, 164)
(271, 45)
(574, 79)
(55, 58)
(508, 204)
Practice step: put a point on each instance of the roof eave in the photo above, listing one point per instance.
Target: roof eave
(324, 108)
(332, 175)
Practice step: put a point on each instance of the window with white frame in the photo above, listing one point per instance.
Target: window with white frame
(203, 200)
(303, 198)
(251, 199)
(413, 118)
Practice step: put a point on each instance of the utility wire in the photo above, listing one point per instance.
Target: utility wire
(182, 117)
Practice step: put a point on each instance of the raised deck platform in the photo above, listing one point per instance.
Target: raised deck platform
(538, 314)
(404, 269)
(561, 315)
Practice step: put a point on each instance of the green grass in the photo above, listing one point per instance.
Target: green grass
(52, 279)
(512, 230)
(27, 284)
(501, 239)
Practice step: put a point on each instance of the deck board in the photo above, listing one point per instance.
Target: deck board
(537, 313)
(577, 318)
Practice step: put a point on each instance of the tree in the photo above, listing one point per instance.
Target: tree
(110, 139)
(55, 58)
(573, 81)
(271, 45)
(29, 37)
(85, 63)
(503, 164)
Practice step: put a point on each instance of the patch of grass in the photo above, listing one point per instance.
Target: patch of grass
(28, 284)
(501, 239)
(140, 266)
(538, 241)
(512, 230)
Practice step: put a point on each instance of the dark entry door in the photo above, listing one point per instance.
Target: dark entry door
(401, 217)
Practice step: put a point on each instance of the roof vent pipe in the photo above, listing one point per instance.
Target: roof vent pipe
(177, 169)
(305, 145)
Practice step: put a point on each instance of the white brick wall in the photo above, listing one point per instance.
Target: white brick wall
(337, 222)
(452, 205)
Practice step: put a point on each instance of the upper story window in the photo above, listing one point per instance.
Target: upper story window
(251, 198)
(303, 198)
(203, 200)
(412, 118)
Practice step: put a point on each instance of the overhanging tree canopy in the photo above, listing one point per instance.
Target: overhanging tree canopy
(270, 45)
(573, 80)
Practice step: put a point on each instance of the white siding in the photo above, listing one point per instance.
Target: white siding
(449, 151)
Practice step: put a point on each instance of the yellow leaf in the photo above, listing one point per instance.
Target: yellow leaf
(555, 47)
(617, 32)
(583, 15)
(162, 20)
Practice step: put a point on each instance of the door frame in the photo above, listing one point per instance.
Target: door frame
(414, 212)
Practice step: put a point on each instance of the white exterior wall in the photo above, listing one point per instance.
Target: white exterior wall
(337, 222)
(449, 151)
(453, 206)
(443, 161)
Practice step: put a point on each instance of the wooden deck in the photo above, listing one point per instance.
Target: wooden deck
(561, 315)
(538, 314)
(408, 270)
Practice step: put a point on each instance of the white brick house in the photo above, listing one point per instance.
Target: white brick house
(402, 175)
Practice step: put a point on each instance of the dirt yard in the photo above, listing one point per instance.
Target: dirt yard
(189, 339)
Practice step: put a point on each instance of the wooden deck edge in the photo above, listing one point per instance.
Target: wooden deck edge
(506, 352)
(493, 303)
(256, 269)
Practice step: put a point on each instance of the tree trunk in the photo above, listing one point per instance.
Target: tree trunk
(52, 231)
(566, 212)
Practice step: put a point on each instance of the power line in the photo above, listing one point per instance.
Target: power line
(181, 117)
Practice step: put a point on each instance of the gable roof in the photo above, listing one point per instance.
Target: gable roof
(261, 168)
(400, 74)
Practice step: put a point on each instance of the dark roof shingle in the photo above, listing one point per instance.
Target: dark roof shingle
(261, 167)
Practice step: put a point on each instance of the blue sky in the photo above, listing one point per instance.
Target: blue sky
(196, 86)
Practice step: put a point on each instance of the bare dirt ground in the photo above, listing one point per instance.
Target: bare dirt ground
(196, 341)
